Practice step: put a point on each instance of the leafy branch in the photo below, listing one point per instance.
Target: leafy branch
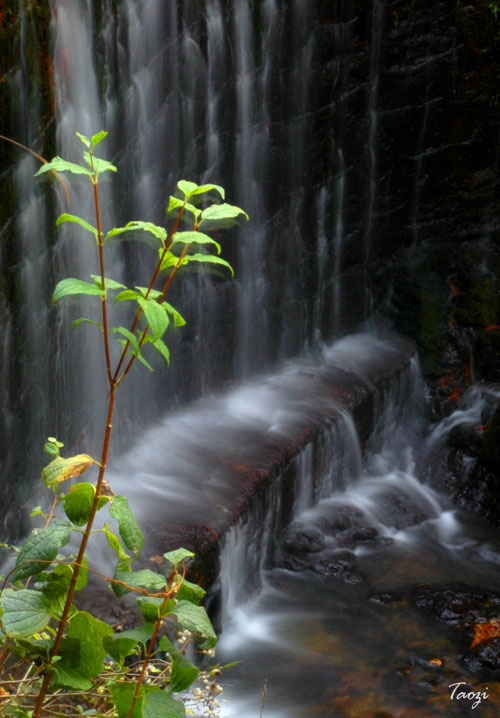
(41, 624)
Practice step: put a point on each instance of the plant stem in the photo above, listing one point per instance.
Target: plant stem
(160, 300)
(151, 284)
(150, 646)
(102, 470)
(101, 265)
(76, 570)
(5, 648)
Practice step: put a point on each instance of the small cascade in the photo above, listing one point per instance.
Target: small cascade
(303, 598)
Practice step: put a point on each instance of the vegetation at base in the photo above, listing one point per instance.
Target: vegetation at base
(54, 656)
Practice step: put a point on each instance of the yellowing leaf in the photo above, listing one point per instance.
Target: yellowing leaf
(485, 632)
(61, 469)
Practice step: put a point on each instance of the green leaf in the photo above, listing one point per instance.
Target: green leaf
(61, 469)
(175, 204)
(126, 294)
(54, 441)
(134, 226)
(168, 259)
(191, 592)
(184, 673)
(160, 704)
(98, 137)
(55, 584)
(119, 648)
(41, 545)
(65, 572)
(78, 220)
(128, 335)
(218, 212)
(178, 555)
(195, 619)
(187, 188)
(156, 316)
(123, 694)
(66, 677)
(179, 320)
(108, 283)
(152, 606)
(121, 645)
(203, 188)
(78, 503)
(194, 238)
(84, 139)
(60, 165)
(89, 632)
(99, 165)
(145, 578)
(143, 361)
(24, 612)
(116, 544)
(51, 449)
(32, 648)
(75, 286)
(153, 293)
(129, 528)
(207, 259)
(160, 347)
(122, 566)
(87, 321)
(53, 446)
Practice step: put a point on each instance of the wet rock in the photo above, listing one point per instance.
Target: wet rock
(358, 534)
(303, 541)
(465, 608)
(401, 510)
(337, 519)
(458, 605)
(340, 565)
(384, 599)
(484, 658)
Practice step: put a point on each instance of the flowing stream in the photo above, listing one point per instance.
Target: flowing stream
(337, 625)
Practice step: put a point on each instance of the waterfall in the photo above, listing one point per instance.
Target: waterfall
(160, 78)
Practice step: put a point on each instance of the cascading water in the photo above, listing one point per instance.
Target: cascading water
(343, 621)
(238, 94)
(161, 77)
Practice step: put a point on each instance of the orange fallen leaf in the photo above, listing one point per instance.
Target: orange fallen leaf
(3, 692)
(485, 632)
(491, 326)
(436, 662)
